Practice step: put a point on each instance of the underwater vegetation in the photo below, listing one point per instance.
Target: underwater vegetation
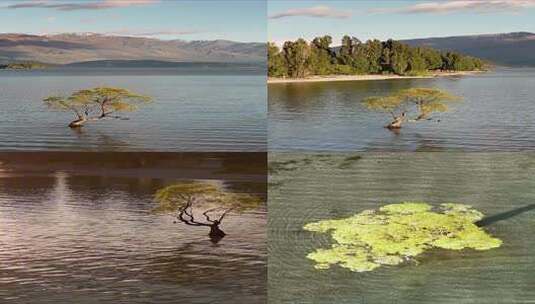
(329, 160)
(398, 233)
(349, 161)
(279, 171)
(289, 165)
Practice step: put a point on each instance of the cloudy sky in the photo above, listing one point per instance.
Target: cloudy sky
(401, 19)
(239, 20)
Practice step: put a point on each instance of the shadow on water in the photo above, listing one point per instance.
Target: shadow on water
(101, 142)
(504, 215)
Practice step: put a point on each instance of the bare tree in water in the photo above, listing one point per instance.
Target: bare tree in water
(207, 200)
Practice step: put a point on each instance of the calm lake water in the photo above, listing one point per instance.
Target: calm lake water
(82, 231)
(194, 109)
(497, 114)
(306, 188)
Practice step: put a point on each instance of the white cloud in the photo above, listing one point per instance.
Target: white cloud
(80, 5)
(452, 6)
(316, 11)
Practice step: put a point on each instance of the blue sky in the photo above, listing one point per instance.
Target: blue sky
(383, 19)
(238, 20)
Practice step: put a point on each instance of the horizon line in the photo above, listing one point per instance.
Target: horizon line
(429, 37)
(122, 36)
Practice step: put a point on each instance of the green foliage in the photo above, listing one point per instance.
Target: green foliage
(360, 62)
(374, 51)
(101, 100)
(385, 104)
(320, 60)
(175, 197)
(297, 55)
(425, 95)
(345, 56)
(456, 62)
(399, 58)
(299, 59)
(397, 233)
(424, 100)
(342, 69)
(432, 57)
(24, 65)
(276, 64)
(416, 63)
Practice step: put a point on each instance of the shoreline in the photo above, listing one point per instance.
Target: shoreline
(329, 78)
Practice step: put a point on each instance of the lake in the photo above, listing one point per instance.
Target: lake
(306, 188)
(195, 108)
(78, 228)
(497, 114)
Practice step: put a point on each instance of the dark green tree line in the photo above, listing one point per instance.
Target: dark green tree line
(298, 59)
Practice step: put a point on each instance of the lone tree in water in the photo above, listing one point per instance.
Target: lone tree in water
(97, 104)
(190, 199)
(423, 101)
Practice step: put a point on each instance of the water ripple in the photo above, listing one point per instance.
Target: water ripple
(319, 188)
(496, 114)
(87, 239)
(189, 113)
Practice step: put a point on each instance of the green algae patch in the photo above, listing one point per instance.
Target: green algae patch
(397, 233)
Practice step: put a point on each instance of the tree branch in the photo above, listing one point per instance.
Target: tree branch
(225, 213)
(205, 213)
(191, 221)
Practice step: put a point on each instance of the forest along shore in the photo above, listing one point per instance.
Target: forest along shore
(327, 78)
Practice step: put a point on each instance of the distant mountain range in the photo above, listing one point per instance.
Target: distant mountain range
(510, 49)
(71, 48)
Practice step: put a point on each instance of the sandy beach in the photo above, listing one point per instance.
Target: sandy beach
(368, 77)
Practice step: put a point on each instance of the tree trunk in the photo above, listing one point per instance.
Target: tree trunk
(396, 123)
(77, 123)
(216, 234)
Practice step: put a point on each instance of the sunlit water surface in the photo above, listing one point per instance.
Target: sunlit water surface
(306, 188)
(92, 238)
(497, 114)
(193, 110)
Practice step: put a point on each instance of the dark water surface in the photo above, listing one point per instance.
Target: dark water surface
(497, 114)
(310, 187)
(79, 229)
(194, 109)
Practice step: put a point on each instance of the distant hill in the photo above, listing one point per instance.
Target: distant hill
(70, 48)
(162, 64)
(254, 68)
(510, 49)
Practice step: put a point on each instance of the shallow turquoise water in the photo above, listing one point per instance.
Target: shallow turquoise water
(310, 187)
